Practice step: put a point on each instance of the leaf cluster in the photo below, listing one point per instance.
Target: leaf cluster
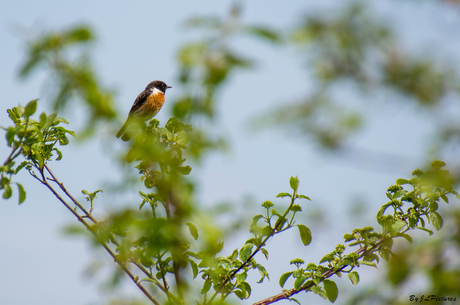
(35, 140)
(412, 209)
(64, 54)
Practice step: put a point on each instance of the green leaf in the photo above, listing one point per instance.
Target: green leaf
(206, 286)
(319, 291)
(241, 277)
(245, 288)
(19, 109)
(354, 277)
(305, 234)
(172, 124)
(22, 193)
(50, 120)
(239, 293)
(10, 133)
(294, 182)
(30, 108)
(42, 121)
(381, 212)
(385, 254)
(8, 192)
(245, 252)
(283, 195)
(456, 194)
(284, 277)
(368, 264)
(58, 120)
(193, 230)
(182, 138)
(4, 181)
(397, 226)
(433, 206)
(20, 166)
(406, 236)
(63, 140)
(425, 229)
(13, 115)
(444, 197)
(59, 153)
(264, 33)
(436, 220)
(265, 252)
(79, 34)
(234, 255)
(263, 272)
(401, 181)
(331, 290)
(295, 300)
(184, 170)
(299, 281)
(303, 197)
(194, 267)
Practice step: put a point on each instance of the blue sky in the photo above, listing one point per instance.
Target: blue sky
(258, 165)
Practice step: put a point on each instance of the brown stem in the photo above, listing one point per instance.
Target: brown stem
(114, 241)
(10, 158)
(61, 185)
(289, 293)
(274, 231)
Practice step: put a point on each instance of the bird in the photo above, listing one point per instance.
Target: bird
(147, 104)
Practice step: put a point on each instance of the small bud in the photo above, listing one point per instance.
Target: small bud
(297, 262)
(339, 249)
(438, 164)
(394, 188)
(417, 172)
(294, 182)
(267, 204)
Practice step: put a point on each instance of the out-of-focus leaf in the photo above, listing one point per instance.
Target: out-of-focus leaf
(22, 193)
(193, 230)
(264, 33)
(7, 192)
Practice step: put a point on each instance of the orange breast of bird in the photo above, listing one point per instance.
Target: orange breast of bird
(153, 104)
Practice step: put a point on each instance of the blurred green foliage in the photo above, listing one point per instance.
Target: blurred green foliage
(206, 65)
(354, 46)
(65, 56)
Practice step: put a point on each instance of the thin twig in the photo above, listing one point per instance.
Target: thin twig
(263, 243)
(61, 185)
(289, 293)
(80, 218)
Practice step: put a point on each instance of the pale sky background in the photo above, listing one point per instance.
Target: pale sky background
(40, 265)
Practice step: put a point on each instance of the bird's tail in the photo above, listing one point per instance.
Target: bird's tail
(122, 130)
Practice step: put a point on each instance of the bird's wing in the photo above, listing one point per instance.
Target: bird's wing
(140, 100)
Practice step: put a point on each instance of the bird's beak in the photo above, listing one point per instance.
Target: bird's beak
(168, 87)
